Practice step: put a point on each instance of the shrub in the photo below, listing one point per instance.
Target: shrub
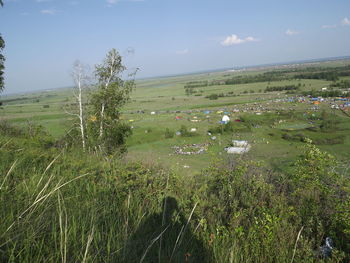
(328, 125)
(330, 141)
(230, 127)
(212, 96)
(10, 130)
(168, 133)
(294, 137)
(186, 133)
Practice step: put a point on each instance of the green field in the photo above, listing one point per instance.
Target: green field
(177, 195)
(274, 133)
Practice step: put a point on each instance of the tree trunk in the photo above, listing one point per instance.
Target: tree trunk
(81, 116)
(101, 121)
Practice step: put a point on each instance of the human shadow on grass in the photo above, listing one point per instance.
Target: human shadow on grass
(166, 237)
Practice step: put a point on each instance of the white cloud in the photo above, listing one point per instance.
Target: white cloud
(328, 26)
(235, 40)
(48, 11)
(290, 32)
(182, 52)
(345, 22)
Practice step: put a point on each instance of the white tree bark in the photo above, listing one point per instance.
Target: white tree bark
(80, 82)
(108, 81)
(101, 119)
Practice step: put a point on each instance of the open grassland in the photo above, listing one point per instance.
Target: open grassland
(276, 203)
(276, 135)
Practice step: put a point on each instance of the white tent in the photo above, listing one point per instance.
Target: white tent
(237, 143)
(225, 119)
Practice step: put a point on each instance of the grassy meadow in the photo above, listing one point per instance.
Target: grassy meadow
(167, 98)
(276, 203)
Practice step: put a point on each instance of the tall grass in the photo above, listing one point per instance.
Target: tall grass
(68, 206)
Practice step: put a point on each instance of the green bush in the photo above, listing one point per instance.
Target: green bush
(212, 96)
(294, 137)
(230, 127)
(330, 141)
(168, 133)
(186, 133)
(10, 130)
(69, 205)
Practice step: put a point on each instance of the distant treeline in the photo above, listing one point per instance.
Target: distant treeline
(344, 84)
(215, 96)
(281, 88)
(17, 99)
(196, 84)
(329, 74)
(326, 94)
(265, 77)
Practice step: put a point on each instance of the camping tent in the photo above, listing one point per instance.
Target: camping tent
(225, 119)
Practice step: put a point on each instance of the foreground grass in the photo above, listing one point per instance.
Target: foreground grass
(60, 204)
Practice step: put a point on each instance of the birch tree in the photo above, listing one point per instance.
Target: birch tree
(80, 81)
(108, 73)
(2, 60)
(111, 95)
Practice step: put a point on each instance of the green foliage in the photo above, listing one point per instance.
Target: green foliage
(54, 202)
(265, 77)
(343, 84)
(51, 210)
(294, 137)
(316, 192)
(168, 134)
(247, 218)
(9, 130)
(212, 96)
(31, 133)
(330, 140)
(326, 75)
(231, 127)
(185, 132)
(106, 130)
(282, 88)
(328, 124)
(326, 94)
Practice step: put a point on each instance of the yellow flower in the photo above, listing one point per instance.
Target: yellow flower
(93, 118)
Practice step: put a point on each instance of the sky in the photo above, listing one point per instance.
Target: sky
(161, 37)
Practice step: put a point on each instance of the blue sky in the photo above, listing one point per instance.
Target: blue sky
(44, 37)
